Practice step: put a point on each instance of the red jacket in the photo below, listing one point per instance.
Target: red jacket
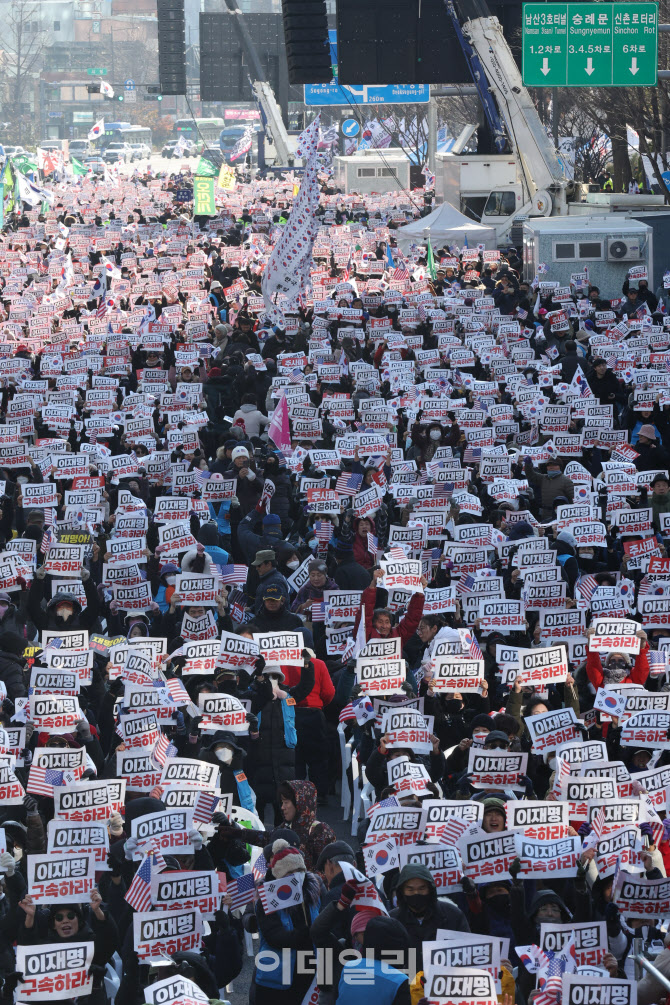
(638, 675)
(405, 627)
(323, 691)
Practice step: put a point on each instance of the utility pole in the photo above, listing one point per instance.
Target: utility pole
(432, 133)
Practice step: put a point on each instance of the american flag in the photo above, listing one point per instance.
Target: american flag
(323, 530)
(401, 272)
(520, 313)
(347, 713)
(259, 868)
(139, 892)
(598, 822)
(348, 484)
(41, 781)
(234, 573)
(241, 891)
(398, 554)
(296, 376)
(383, 805)
(178, 692)
(319, 610)
(164, 748)
(658, 662)
(451, 830)
(587, 585)
(472, 455)
(205, 804)
(373, 544)
(465, 584)
(49, 516)
(469, 642)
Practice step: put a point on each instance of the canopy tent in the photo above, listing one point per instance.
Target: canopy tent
(446, 226)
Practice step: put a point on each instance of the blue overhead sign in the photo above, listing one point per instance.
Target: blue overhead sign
(363, 94)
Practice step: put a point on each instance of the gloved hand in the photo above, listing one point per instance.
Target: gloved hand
(115, 825)
(408, 688)
(646, 831)
(179, 721)
(83, 729)
(464, 785)
(130, 848)
(30, 729)
(96, 971)
(515, 868)
(7, 863)
(527, 784)
(253, 722)
(193, 729)
(30, 804)
(357, 691)
(114, 864)
(584, 830)
(220, 818)
(259, 664)
(195, 837)
(41, 572)
(116, 687)
(348, 892)
(469, 888)
(10, 982)
(85, 574)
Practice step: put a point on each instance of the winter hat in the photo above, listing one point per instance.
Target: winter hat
(494, 804)
(359, 922)
(648, 431)
(240, 452)
(481, 721)
(567, 538)
(285, 860)
(271, 520)
(274, 591)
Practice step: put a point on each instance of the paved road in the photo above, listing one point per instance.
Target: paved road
(331, 814)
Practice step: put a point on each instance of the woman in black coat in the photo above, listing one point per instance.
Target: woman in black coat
(63, 923)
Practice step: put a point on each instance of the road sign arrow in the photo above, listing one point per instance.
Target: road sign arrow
(589, 66)
(633, 65)
(545, 66)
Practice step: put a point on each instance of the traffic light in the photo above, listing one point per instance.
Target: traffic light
(119, 97)
(93, 88)
(153, 93)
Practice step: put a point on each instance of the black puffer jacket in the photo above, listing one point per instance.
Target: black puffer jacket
(440, 913)
(271, 760)
(12, 676)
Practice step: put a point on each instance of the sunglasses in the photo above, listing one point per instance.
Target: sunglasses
(65, 916)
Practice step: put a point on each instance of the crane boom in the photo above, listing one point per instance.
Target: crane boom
(261, 88)
(540, 167)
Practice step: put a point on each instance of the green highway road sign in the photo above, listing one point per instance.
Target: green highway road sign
(590, 44)
(96, 71)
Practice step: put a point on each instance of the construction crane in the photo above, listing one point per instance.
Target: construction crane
(263, 91)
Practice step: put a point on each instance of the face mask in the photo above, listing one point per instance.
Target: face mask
(293, 565)
(170, 580)
(275, 684)
(435, 434)
(551, 763)
(586, 554)
(499, 903)
(22, 480)
(314, 543)
(478, 739)
(225, 755)
(452, 706)
(418, 902)
(553, 474)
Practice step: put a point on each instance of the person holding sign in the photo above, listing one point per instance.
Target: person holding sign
(60, 924)
(618, 668)
(379, 620)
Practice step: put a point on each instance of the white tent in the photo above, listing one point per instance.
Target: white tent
(445, 225)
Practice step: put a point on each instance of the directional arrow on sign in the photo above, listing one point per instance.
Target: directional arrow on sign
(589, 66)
(545, 66)
(633, 65)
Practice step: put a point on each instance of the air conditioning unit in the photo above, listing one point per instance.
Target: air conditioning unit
(624, 249)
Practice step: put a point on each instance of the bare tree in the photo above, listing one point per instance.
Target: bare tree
(24, 41)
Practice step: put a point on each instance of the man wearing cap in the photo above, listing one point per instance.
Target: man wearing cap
(250, 542)
(265, 566)
(274, 615)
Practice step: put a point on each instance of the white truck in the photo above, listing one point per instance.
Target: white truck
(505, 190)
